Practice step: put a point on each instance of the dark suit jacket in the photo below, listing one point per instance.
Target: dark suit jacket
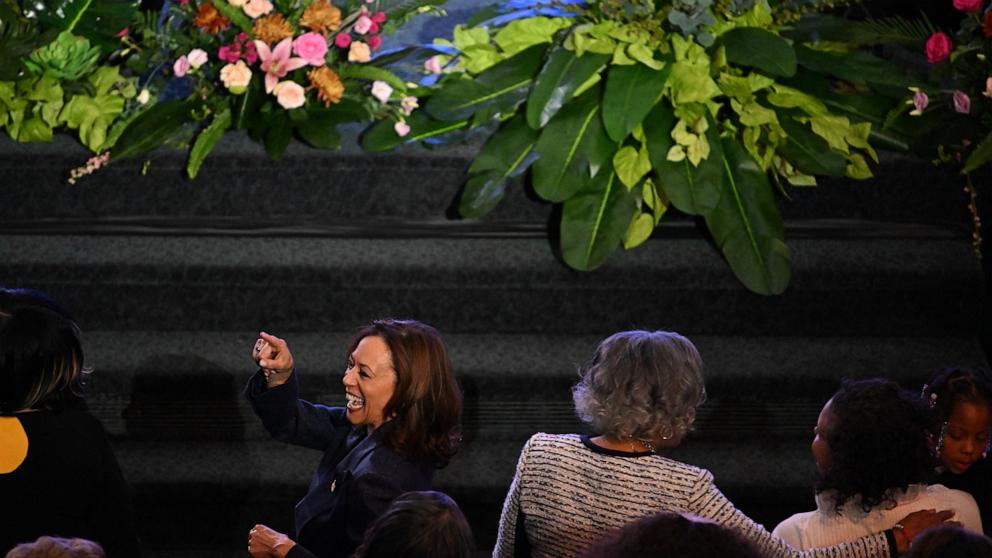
(356, 480)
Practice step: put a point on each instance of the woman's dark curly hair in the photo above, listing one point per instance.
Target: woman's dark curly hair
(878, 442)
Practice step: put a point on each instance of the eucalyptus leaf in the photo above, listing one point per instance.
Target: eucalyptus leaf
(595, 221)
(561, 77)
(153, 128)
(504, 84)
(761, 49)
(693, 190)
(747, 226)
(631, 93)
(809, 152)
(572, 148)
(504, 157)
(206, 141)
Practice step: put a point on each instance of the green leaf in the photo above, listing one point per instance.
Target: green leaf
(594, 221)
(319, 129)
(761, 49)
(639, 230)
(235, 14)
(206, 141)
(371, 73)
(856, 67)
(505, 85)
(524, 33)
(571, 149)
(631, 93)
(746, 224)
(980, 156)
(809, 152)
(382, 137)
(98, 20)
(558, 81)
(505, 156)
(631, 165)
(278, 133)
(693, 190)
(153, 128)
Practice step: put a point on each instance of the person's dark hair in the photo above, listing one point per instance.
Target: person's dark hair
(418, 525)
(950, 386)
(878, 443)
(56, 547)
(672, 534)
(427, 404)
(641, 384)
(41, 357)
(950, 541)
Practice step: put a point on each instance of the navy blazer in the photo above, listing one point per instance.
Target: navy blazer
(356, 480)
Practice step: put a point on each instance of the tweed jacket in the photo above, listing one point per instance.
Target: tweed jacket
(357, 478)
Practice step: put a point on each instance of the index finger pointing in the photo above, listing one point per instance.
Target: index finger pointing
(272, 340)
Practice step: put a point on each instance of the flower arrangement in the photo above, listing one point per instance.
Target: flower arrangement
(622, 109)
(276, 68)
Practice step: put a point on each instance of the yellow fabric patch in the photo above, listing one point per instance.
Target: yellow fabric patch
(13, 444)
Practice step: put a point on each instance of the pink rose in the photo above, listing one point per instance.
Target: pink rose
(401, 128)
(938, 48)
(359, 52)
(433, 64)
(181, 66)
(962, 103)
(197, 57)
(374, 41)
(311, 47)
(968, 5)
(374, 28)
(289, 94)
(342, 40)
(363, 25)
(257, 8)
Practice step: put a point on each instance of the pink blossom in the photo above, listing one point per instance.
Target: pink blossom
(183, 2)
(236, 3)
(363, 25)
(374, 28)
(379, 17)
(197, 57)
(342, 40)
(236, 77)
(289, 94)
(381, 90)
(123, 33)
(433, 64)
(276, 63)
(988, 88)
(374, 41)
(241, 37)
(359, 52)
(311, 47)
(408, 103)
(257, 8)
(251, 54)
(938, 47)
(401, 128)
(229, 53)
(920, 101)
(181, 66)
(962, 103)
(968, 5)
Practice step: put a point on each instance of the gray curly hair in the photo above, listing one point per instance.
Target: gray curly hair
(641, 384)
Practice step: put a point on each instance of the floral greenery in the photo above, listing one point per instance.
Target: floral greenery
(50, 76)
(620, 109)
(292, 68)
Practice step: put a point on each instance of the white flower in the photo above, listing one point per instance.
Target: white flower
(381, 90)
(144, 96)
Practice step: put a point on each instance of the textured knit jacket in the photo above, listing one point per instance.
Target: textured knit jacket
(568, 492)
(358, 476)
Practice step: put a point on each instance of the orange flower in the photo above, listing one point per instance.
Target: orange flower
(209, 19)
(327, 83)
(272, 28)
(322, 17)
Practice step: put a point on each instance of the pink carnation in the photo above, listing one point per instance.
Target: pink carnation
(968, 5)
(374, 41)
(379, 17)
(311, 47)
(342, 40)
(938, 48)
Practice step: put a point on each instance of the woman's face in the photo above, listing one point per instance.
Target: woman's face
(965, 436)
(369, 381)
(819, 447)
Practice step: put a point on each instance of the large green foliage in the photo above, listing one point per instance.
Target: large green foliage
(623, 112)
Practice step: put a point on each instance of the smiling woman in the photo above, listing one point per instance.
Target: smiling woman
(401, 423)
